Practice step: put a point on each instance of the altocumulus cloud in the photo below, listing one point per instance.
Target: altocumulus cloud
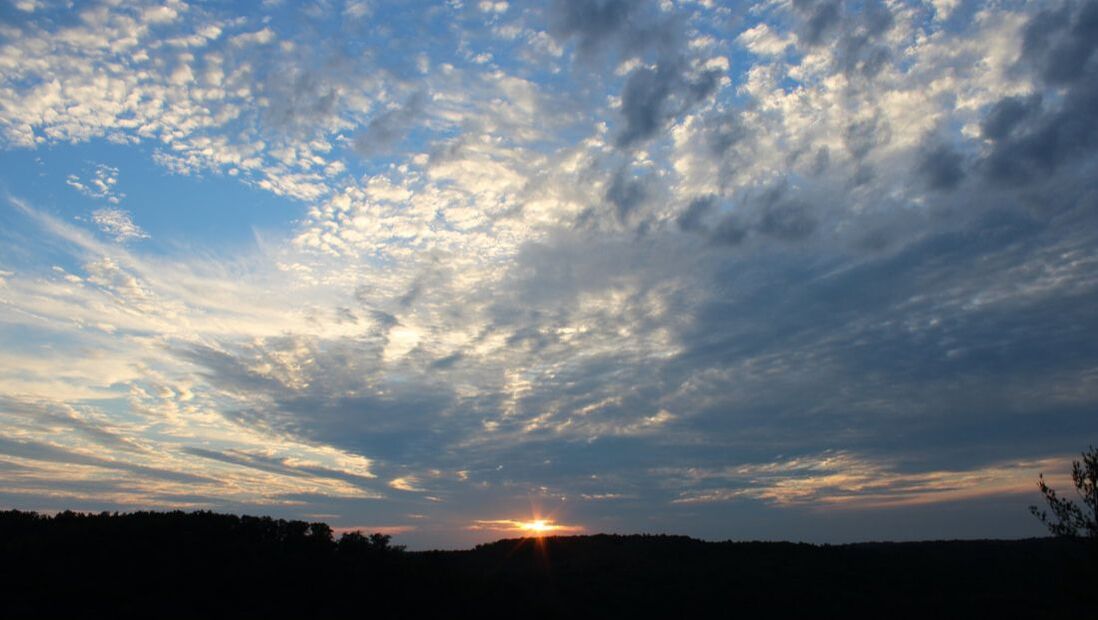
(734, 270)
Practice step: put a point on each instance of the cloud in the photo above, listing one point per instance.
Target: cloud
(820, 17)
(1007, 114)
(1059, 42)
(862, 136)
(856, 36)
(262, 36)
(407, 483)
(788, 220)
(729, 230)
(37, 451)
(652, 97)
(1032, 138)
(389, 127)
(66, 416)
(839, 480)
(607, 26)
(312, 389)
(100, 187)
(693, 216)
(625, 194)
(283, 465)
(119, 224)
(941, 166)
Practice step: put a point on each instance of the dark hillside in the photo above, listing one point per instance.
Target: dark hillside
(188, 564)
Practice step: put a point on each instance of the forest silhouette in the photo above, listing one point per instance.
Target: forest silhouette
(176, 564)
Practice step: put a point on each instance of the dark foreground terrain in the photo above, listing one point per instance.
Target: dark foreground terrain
(204, 564)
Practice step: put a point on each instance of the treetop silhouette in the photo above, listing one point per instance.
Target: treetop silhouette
(1068, 518)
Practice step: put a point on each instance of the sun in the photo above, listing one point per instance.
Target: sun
(537, 527)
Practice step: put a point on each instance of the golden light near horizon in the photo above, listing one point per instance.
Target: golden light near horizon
(534, 528)
(538, 527)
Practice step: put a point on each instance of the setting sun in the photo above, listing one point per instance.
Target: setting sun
(534, 528)
(538, 527)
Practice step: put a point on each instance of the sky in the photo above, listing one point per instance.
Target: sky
(816, 270)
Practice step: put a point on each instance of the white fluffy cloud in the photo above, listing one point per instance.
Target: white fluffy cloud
(118, 224)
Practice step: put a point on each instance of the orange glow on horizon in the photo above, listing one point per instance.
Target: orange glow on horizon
(534, 528)
(538, 527)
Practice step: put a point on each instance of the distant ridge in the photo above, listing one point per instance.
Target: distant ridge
(175, 564)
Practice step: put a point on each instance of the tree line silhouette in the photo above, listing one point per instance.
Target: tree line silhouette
(177, 564)
(190, 563)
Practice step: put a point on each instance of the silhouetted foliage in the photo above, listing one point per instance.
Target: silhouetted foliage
(204, 564)
(181, 564)
(356, 542)
(1068, 518)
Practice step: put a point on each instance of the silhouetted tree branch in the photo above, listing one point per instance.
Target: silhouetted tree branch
(1068, 518)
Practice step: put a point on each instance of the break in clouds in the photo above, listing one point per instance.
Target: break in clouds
(791, 269)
